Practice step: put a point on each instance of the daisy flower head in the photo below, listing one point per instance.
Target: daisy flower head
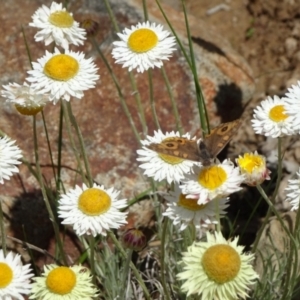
(184, 211)
(253, 167)
(63, 75)
(92, 210)
(143, 46)
(91, 27)
(292, 100)
(162, 166)
(25, 98)
(57, 25)
(271, 118)
(293, 192)
(9, 158)
(210, 182)
(14, 277)
(217, 269)
(63, 283)
(134, 239)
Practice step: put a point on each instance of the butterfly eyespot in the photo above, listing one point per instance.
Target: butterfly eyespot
(170, 145)
(181, 141)
(224, 129)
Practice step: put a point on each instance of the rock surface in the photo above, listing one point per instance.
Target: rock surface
(223, 74)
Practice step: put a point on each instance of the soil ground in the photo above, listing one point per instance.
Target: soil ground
(265, 32)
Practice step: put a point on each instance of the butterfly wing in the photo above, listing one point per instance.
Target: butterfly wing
(220, 136)
(177, 147)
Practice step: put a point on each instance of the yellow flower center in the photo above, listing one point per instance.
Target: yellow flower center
(6, 275)
(61, 280)
(212, 177)
(28, 110)
(94, 202)
(221, 263)
(250, 162)
(277, 113)
(142, 40)
(61, 67)
(172, 160)
(61, 19)
(190, 204)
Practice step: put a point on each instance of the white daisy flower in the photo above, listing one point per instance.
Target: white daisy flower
(215, 181)
(143, 46)
(25, 99)
(217, 269)
(253, 167)
(271, 119)
(293, 189)
(57, 25)
(162, 166)
(63, 75)
(14, 277)
(184, 211)
(92, 210)
(9, 157)
(64, 283)
(292, 100)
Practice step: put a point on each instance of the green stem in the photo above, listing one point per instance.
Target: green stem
(138, 101)
(81, 143)
(162, 259)
(262, 192)
(44, 193)
(152, 103)
(218, 217)
(293, 245)
(126, 269)
(145, 10)
(132, 266)
(92, 257)
(192, 66)
(200, 98)
(111, 16)
(279, 169)
(279, 174)
(2, 230)
(68, 125)
(296, 236)
(59, 148)
(49, 146)
(137, 95)
(121, 97)
(174, 106)
(192, 235)
(258, 236)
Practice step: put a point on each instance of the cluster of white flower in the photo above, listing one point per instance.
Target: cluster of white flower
(216, 269)
(279, 117)
(15, 281)
(200, 195)
(200, 198)
(57, 76)
(199, 189)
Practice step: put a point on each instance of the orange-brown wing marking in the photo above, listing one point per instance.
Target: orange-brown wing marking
(220, 136)
(177, 147)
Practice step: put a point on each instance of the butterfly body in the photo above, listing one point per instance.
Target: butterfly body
(205, 151)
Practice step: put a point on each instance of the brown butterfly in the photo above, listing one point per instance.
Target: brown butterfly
(205, 151)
